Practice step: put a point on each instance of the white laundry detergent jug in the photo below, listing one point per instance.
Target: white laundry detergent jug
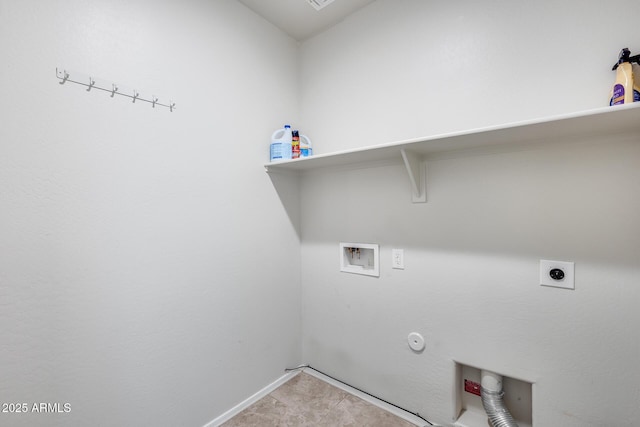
(281, 144)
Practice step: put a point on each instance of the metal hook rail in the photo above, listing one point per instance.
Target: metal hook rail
(90, 82)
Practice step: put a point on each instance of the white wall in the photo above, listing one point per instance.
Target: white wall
(146, 259)
(409, 68)
(148, 268)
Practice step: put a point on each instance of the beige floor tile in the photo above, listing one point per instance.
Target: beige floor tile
(269, 412)
(309, 397)
(355, 412)
(304, 388)
(260, 413)
(306, 401)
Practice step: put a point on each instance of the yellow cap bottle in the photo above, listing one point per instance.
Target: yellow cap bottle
(623, 91)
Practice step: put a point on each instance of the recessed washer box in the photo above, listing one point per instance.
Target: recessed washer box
(360, 258)
(468, 409)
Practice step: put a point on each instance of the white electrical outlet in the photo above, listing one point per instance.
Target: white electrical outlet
(558, 274)
(397, 259)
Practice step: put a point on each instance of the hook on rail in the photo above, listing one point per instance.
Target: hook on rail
(65, 77)
(112, 88)
(92, 83)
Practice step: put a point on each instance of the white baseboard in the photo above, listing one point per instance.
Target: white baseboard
(251, 400)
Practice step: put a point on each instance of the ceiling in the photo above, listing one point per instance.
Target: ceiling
(300, 19)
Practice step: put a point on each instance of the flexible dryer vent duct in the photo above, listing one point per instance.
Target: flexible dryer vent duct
(491, 394)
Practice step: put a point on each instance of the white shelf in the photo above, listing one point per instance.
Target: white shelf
(597, 123)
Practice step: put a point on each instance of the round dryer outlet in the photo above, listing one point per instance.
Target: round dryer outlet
(416, 341)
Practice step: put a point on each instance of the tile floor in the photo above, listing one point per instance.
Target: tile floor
(306, 400)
